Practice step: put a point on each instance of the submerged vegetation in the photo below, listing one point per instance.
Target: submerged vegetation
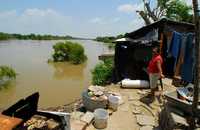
(6, 36)
(102, 73)
(69, 51)
(6, 74)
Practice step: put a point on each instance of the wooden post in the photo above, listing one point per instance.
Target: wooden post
(197, 66)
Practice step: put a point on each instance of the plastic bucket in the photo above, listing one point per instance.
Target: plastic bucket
(100, 118)
(113, 102)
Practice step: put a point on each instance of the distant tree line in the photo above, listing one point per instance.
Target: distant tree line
(6, 36)
(109, 39)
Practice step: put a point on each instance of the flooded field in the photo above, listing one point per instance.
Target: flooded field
(57, 83)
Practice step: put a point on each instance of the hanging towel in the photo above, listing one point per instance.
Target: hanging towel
(175, 46)
(180, 59)
(188, 63)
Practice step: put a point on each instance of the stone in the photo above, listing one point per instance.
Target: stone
(96, 88)
(141, 92)
(146, 128)
(78, 125)
(131, 98)
(77, 115)
(87, 117)
(98, 93)
(145, 120)
(136, 110)
(136, 103)
(52, 124)
(179, 119)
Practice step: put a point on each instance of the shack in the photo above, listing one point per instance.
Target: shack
(133, 52)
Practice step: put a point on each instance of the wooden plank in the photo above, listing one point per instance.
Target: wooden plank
(8, 123)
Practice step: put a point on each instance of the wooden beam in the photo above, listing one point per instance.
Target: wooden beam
(197, 65)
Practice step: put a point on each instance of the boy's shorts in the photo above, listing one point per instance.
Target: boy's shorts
(154, 77)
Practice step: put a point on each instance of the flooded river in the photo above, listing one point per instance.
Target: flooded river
(57, 83)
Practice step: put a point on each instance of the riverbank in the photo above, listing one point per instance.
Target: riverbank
(135, 105)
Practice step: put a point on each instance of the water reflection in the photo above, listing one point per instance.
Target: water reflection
(68, 71)
(7, 84)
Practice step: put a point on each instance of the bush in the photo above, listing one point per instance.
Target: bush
(69, 51)
(6, 74)
(102, 73)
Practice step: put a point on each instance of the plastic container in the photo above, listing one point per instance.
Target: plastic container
(100, 118)
(113, 102)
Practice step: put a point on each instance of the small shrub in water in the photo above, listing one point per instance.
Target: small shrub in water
(69, 51)
(6, 74)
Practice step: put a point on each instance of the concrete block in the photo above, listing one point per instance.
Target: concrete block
(145, 120)
(87, 117)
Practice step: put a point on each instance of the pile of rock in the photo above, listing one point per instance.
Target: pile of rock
(95, 97)
(38, 122)
(98, 97)
(97, 93)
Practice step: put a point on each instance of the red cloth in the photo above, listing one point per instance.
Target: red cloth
(152, 67)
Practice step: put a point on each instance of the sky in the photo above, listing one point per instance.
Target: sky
(79, 18)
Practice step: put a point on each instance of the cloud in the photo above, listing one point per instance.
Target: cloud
(130, 8)
(34, 20)
(104, 21)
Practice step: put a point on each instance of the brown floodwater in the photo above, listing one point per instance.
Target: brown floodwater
(57, 83)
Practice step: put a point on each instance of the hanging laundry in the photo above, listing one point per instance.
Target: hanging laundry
(175, 46)
(180, 59)
(188, 63)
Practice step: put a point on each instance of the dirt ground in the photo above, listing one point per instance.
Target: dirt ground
(135, 102)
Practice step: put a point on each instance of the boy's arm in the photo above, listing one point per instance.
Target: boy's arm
(160, 69)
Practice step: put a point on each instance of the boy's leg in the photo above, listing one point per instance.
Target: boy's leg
(153, 82)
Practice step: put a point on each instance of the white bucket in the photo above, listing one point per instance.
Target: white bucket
(100, 118)
(113, 102)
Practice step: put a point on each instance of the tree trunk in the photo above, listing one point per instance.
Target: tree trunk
(150, 13)
(144, 17)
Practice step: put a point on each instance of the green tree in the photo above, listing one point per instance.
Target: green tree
(179, 11)
(173, 9)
